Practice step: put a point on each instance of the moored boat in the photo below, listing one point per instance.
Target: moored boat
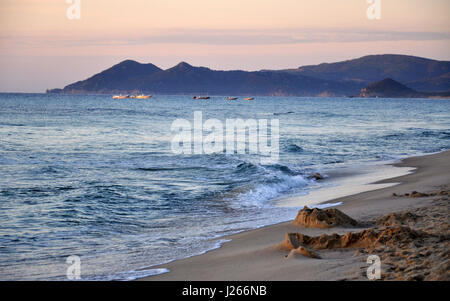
(142, 96)
(232, 98)
(201, 97)
(249, 98)
(121, 96)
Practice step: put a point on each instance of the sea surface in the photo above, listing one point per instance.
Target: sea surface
(97, 178)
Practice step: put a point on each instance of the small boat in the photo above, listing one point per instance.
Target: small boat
(142, 96)
(201, 97)
(121, 96)
(249, 98)
(232, 98)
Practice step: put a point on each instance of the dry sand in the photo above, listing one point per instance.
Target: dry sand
(410, 233)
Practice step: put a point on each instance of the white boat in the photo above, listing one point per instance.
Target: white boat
(121, 96)
(142, 96)
(232, 98)
(249, 98)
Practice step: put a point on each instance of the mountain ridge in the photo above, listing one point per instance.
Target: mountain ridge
(407, 69)
(333, 79)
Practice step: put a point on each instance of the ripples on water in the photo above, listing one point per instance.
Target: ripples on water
(89, 176)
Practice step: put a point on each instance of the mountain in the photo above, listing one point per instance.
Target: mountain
(416, 72)
(130, 77)
(389, 88)
(120, 77)
(335, 79)
(439, 83)
(184, 78)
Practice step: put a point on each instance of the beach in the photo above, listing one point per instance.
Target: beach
(107, 187)
(409, 221)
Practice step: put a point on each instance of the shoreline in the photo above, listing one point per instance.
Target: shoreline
(344, 181)
(249, 255)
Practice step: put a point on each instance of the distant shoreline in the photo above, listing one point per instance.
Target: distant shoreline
(224, 96)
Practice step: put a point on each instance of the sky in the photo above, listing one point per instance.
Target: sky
(41, 47)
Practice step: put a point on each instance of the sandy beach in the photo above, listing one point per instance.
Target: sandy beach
(406, 225)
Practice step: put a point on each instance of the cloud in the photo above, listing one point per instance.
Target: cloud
(285, 36)
(226, 37)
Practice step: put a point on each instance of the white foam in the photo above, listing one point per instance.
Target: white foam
(338, 187)
(133, 274)
(327, 205)
(262, 193)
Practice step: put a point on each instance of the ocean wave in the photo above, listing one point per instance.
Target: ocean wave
(11, 124)
(439, 134)
(246, 167)
(276, 180)
(196, 168)
(293, 148)
(413, 133)
(285, 113)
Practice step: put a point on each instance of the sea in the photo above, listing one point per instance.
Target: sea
(97, 178)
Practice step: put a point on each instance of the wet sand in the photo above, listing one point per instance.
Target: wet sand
(414, 244)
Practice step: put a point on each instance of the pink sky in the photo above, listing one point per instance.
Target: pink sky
(41, 48)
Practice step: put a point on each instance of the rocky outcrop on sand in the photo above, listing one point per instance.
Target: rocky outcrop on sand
(412, 244)
(416, 194)
(397, 219)
(327, 218)
(426, 257)
(367, 239)
(303, 251)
